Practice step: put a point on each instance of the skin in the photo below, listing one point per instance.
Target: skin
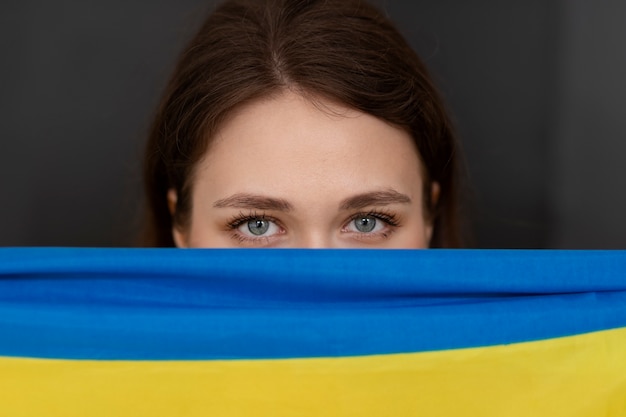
(307, 176)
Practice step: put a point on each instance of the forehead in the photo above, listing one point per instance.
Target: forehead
(287, 145)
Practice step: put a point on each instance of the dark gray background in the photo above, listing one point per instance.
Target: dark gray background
(536, 87)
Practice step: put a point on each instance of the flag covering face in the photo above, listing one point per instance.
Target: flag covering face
(165, 332)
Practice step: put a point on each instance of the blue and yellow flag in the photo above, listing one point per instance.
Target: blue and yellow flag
(158, 332)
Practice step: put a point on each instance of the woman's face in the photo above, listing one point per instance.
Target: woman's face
(282, 173)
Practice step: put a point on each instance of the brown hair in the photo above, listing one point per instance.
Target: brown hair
(343, 50)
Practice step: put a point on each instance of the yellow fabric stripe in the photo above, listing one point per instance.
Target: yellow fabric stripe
(574, 376)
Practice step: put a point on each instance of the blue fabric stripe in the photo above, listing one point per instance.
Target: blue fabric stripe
(215, 304)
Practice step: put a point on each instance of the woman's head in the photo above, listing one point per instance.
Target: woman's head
(301, 123)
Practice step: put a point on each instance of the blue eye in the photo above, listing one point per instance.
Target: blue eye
(258, 227)
(372, 224)
(365, 224)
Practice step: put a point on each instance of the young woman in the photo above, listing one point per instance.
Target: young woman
(301, 123)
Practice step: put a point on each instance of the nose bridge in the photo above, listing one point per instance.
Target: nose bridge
(316, 239)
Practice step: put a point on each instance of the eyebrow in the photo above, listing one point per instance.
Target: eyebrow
(253, 202)
(374, 198)
(359, 201)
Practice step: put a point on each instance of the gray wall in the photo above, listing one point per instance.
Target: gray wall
(536, 88)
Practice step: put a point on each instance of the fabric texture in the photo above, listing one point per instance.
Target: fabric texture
(312, 332)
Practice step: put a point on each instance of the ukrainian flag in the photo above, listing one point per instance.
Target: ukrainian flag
(158, 332)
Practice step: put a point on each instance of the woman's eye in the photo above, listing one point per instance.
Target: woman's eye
(258, 228)
(365, 224)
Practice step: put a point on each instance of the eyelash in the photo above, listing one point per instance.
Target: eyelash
(386, 216)
(242, 218)
(390, 218)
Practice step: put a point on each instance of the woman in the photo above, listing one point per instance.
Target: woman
(301, 123)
